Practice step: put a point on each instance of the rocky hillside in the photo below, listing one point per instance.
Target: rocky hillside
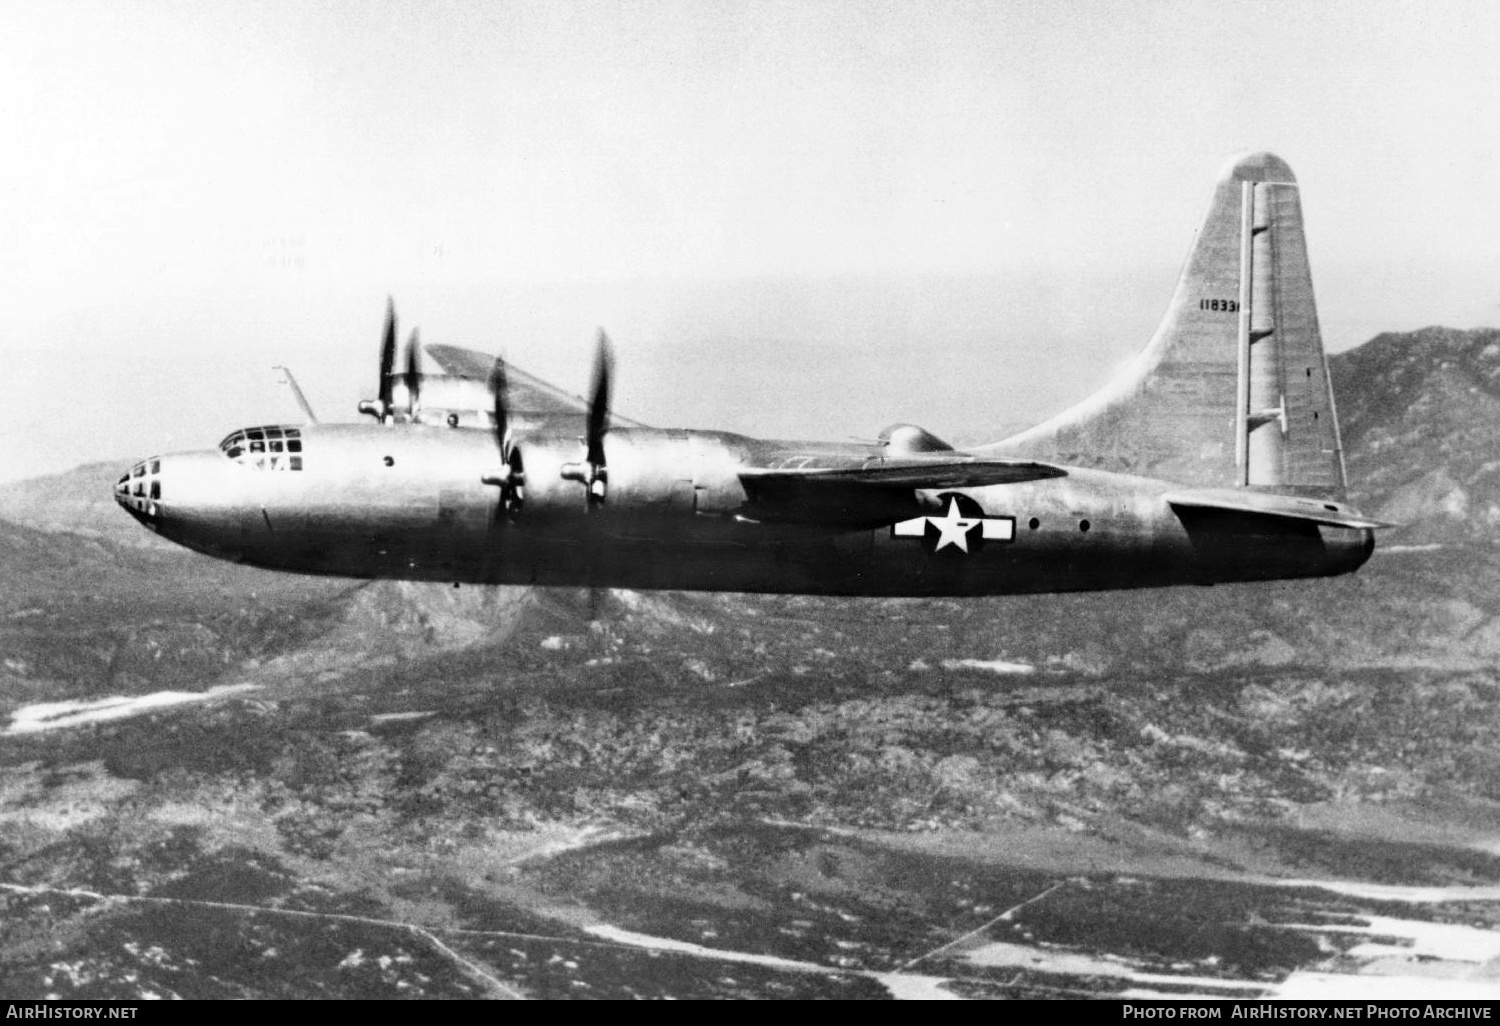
(793, 776)
(1420, 415)
(79, 501)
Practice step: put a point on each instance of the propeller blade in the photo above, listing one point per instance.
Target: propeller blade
(511, 477)
(499, 388)
(592, 473)
(598, 421)
(388, 355)
(414, 374)
(381, 407)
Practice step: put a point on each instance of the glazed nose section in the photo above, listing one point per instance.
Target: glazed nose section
(139, 491)
(168, 491)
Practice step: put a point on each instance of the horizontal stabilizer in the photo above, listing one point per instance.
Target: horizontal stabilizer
(1329, 514)
(948, 472)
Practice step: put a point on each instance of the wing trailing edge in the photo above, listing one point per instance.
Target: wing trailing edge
(1315, 511)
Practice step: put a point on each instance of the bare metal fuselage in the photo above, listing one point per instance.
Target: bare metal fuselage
(493, 476)
(409, 501)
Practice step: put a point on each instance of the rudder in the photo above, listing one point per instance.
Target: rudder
(1232, 390)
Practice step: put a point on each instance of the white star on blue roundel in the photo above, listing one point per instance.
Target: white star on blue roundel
(961, 529)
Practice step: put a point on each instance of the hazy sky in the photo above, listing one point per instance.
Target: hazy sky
(804, 218)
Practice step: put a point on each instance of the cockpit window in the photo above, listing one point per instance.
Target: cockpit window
(265, 448)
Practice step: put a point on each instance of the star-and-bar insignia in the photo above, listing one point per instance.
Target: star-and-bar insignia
(963, 527)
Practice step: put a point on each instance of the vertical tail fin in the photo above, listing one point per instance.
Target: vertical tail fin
(1233, 388)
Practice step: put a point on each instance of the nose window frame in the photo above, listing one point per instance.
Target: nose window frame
(139, 489)
(263, 448)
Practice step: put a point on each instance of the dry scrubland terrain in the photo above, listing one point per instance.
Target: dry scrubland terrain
(217, 782)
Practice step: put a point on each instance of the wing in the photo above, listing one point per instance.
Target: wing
(873, 492)
(948, 472)
(1315, 511)
(528, 393)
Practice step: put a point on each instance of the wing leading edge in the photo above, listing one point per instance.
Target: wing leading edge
(528, 393)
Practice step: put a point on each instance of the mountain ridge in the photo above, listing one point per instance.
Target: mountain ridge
(1419, 413)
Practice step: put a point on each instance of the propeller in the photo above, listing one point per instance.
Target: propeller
(380, 408)
(499, 390)
(511, 477)
(413, 376)
(594, 473)
(598, 422)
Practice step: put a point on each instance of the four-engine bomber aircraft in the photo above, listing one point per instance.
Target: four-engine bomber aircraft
(1215, 457)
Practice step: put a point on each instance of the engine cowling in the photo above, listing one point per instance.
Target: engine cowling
(649, 472)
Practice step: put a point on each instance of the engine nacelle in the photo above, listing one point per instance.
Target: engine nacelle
(648, 472)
